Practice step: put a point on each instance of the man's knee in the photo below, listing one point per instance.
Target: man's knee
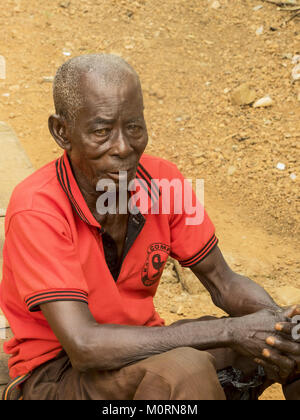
(188, 372)
(190, 359)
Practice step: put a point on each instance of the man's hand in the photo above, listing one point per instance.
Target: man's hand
(249, 335)
(284, 342)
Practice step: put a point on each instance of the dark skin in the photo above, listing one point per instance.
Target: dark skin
(109, 134)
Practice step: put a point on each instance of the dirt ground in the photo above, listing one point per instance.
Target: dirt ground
(190, 55)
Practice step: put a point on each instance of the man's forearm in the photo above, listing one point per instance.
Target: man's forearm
(244, 296)
(108, 347)
(235, 294)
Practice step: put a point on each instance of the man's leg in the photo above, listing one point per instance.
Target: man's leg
(180, 374)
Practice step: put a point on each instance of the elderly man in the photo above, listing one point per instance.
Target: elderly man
(78, 282)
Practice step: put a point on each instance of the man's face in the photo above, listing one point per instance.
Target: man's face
(109, 133)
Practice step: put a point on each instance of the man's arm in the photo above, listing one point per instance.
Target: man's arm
(235, 294)
(91, 345)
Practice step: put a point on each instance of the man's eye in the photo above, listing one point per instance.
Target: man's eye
(102, 132)
(135, 129)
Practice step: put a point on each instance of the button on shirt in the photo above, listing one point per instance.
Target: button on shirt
(54, 251)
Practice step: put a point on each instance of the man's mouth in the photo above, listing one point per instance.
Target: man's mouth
(119, 175)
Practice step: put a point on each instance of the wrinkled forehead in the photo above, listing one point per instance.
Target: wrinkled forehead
(115, 91)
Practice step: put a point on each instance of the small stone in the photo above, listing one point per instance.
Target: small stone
(296, 72)
(293, 176)
(296, 59)
(231, 170)
(215, 5)
(64, 4)
(259, 31)
(180, 310)
(256, 8)
(2, 212)
(175, 308)
(48, 79)
(280, 166)
(243, 95)
(287, 56)
(263, 102)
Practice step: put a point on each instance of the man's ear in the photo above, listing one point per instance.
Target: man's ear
(58, 129)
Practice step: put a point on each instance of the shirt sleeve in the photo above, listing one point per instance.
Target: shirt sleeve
(43, 260)
(192, 232)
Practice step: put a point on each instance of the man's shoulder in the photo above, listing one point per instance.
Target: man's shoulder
(39, 191)
(157, 167)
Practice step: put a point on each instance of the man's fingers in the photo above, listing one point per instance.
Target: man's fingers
(284, 346)
(284, 363)
(289, 330)
(292, 311)
(284, 327)
(272, 371)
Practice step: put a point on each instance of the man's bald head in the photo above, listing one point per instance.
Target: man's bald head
(67, 92)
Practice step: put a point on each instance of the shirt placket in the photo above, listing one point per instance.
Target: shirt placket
(136, 223)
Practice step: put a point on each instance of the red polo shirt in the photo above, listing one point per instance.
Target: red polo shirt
(54, 251)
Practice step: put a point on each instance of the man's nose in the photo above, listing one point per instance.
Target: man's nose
(121, 147)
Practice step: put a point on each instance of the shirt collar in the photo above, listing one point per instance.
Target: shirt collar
(148, 191)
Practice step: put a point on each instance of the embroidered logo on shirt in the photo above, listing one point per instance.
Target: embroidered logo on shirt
(157, 255)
